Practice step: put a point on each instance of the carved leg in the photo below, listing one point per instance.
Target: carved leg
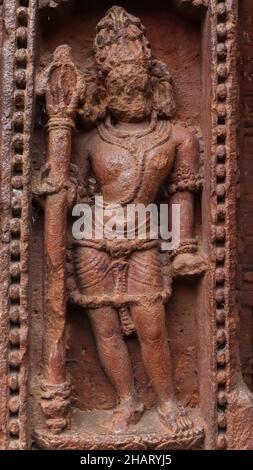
(149, 319)
(94, 275)
(115, 359)
(150, 325)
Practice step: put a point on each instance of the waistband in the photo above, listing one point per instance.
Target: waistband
(117, 248)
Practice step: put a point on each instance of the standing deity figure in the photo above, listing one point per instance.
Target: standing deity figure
(130, 149)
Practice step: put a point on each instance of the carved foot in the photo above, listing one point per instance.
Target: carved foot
(126, 413)
(175, 417)
(55, 404)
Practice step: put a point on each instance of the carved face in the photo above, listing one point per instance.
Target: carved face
(129, 93)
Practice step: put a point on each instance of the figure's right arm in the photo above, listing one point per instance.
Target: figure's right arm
(81, 153)
(81, 162)
(79, 172)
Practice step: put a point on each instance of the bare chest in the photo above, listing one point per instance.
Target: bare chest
(134, 161)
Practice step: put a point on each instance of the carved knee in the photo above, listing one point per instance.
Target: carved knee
(151, 333)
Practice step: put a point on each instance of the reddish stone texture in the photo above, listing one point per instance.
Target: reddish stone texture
(198, 47)
(92, 390)
(245, 180)
(87, 373)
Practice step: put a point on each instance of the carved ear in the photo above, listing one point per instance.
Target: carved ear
(164, 103)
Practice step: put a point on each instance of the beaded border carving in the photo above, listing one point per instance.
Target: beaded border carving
(20, 13)
(223, 26)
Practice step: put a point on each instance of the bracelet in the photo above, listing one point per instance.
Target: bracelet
(186, 246)
(185, 180)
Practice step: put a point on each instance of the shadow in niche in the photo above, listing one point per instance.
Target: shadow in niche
(91, 387)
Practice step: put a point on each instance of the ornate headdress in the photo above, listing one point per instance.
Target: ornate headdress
(121, 38)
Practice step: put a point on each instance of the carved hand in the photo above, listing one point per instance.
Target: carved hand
(44, 185)
(189, 265)
(72, 185)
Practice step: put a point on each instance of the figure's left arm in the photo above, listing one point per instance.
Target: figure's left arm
(185, 183)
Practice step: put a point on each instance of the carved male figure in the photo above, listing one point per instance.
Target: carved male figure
(131, 152)
(131, 149)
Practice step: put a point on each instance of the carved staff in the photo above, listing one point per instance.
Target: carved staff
(64, 89)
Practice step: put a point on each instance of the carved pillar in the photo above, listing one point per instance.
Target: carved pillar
(62, 97)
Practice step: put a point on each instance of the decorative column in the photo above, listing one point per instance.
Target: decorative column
(63, 92)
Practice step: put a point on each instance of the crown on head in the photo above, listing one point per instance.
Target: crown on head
(121, 39)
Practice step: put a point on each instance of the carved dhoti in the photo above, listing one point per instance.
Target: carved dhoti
(118, 273)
